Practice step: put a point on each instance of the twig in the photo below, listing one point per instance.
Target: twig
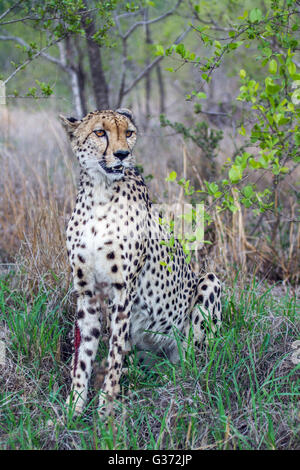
(38, 18)
(20, 67)
(23, 43)
(154, 20)
(122, 91)
(209, 23)
(9, 10)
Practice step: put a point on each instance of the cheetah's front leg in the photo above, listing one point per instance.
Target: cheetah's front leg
(86, 338)
(118, 346)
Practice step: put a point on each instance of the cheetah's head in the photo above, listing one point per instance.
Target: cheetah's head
(103, 141)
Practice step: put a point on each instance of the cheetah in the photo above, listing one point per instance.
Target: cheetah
(113, 239)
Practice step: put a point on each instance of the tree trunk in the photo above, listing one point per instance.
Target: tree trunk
(99, 83)
(148, 75)
(161, 89)
(81, 76)
(76, 93)
(77, 81)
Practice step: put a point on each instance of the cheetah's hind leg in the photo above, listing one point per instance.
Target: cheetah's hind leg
(206, 316)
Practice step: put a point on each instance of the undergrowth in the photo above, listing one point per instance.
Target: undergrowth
(240, 391)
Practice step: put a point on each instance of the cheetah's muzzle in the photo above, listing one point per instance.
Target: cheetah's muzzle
(114, 169)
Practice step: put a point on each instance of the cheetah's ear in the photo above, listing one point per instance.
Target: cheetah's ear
(126, 112)
(70, 124)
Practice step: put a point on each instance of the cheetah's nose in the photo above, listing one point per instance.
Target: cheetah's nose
(121, 154)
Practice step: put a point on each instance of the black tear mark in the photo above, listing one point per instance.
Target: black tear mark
(107, 142)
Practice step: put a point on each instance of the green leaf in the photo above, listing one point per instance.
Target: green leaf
(273, 66)
(31, 92)
(271, 87)
(267, 52)
(255, 15)
(235, 174)
(244, 15)
(172, 176)
(180, 49)
(292, 68)
(284, 169)
(248, 191)
(46, 88)
(297, 138)
(213, 188)
(242, 130)
(246, 202)
(201, 95)
(159, 50)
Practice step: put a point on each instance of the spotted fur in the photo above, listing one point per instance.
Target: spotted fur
(113, 239)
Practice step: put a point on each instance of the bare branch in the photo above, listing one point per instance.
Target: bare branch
(125, 15)
(62, 63)
(152, 64)
(23, 43)
(123, 76)
(218, 27)
(155, 20)
(142, 74)
(124, 37)
(215, 26)
(21, 66)
(14, 38)
(38, 18)
(9, 10)
(62, 53)
(17, 20)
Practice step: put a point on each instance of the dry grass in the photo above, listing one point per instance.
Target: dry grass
(37, 193)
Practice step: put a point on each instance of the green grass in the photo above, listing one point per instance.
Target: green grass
(240, 391)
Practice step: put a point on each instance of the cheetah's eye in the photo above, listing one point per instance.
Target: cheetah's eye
(129, 133)
(100, 133)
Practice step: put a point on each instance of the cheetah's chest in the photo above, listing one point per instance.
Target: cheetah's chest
(107, 237)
